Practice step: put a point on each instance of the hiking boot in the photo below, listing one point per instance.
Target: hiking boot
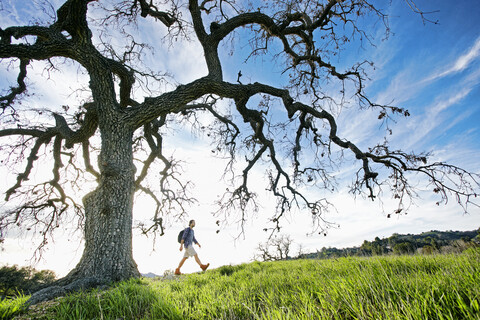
(204, 266)
(177, 272)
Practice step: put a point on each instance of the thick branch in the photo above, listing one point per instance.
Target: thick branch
(88, 128)
(50, 42)
(7, 100)
(86, 158)
(209, 43)
(72, 18)
(148, 9)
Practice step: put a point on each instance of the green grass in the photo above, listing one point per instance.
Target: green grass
(11, 306)
(393, 287)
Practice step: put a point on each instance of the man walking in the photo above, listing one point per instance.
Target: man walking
(187, 240)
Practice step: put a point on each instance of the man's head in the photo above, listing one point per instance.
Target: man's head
(191, 224)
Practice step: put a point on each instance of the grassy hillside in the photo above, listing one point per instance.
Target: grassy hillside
(389, 287)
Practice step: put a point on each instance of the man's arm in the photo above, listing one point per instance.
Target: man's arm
(196, 242)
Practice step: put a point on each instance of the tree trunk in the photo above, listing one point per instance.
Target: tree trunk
(108, 212)
(108, 253)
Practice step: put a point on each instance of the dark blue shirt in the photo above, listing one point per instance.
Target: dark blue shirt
(188, 237)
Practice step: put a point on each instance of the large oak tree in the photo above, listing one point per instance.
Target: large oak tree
(291, 130)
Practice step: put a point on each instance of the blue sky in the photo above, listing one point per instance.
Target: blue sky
(433, 70)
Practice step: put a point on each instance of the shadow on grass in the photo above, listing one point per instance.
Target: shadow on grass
(132, 299)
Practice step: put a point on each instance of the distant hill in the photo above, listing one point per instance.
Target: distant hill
(150, 275)
(426, 243)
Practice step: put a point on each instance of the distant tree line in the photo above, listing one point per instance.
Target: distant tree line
(24, 280)
(424, 243)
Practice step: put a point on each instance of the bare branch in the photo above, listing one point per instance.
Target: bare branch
(86, 157)
(88, 126)
(43, 139)
(7, 100)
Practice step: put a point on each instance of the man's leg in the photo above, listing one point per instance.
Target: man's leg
(203, 266)
(197, 259)
(182, 262)
(177, 271)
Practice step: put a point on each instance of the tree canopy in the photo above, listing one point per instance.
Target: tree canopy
(113, 136)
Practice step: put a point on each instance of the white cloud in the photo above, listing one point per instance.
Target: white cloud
(450, 101)
(464, 60)
(401, 88)
(419, 130)
(408, 83)
(460, 64)
(429, 122)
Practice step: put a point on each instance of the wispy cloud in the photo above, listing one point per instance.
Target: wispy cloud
(460, 64)
(407, 85)
(401, 88)
(447, 102)
(463, 61)
(436, 117)
(425, 124)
